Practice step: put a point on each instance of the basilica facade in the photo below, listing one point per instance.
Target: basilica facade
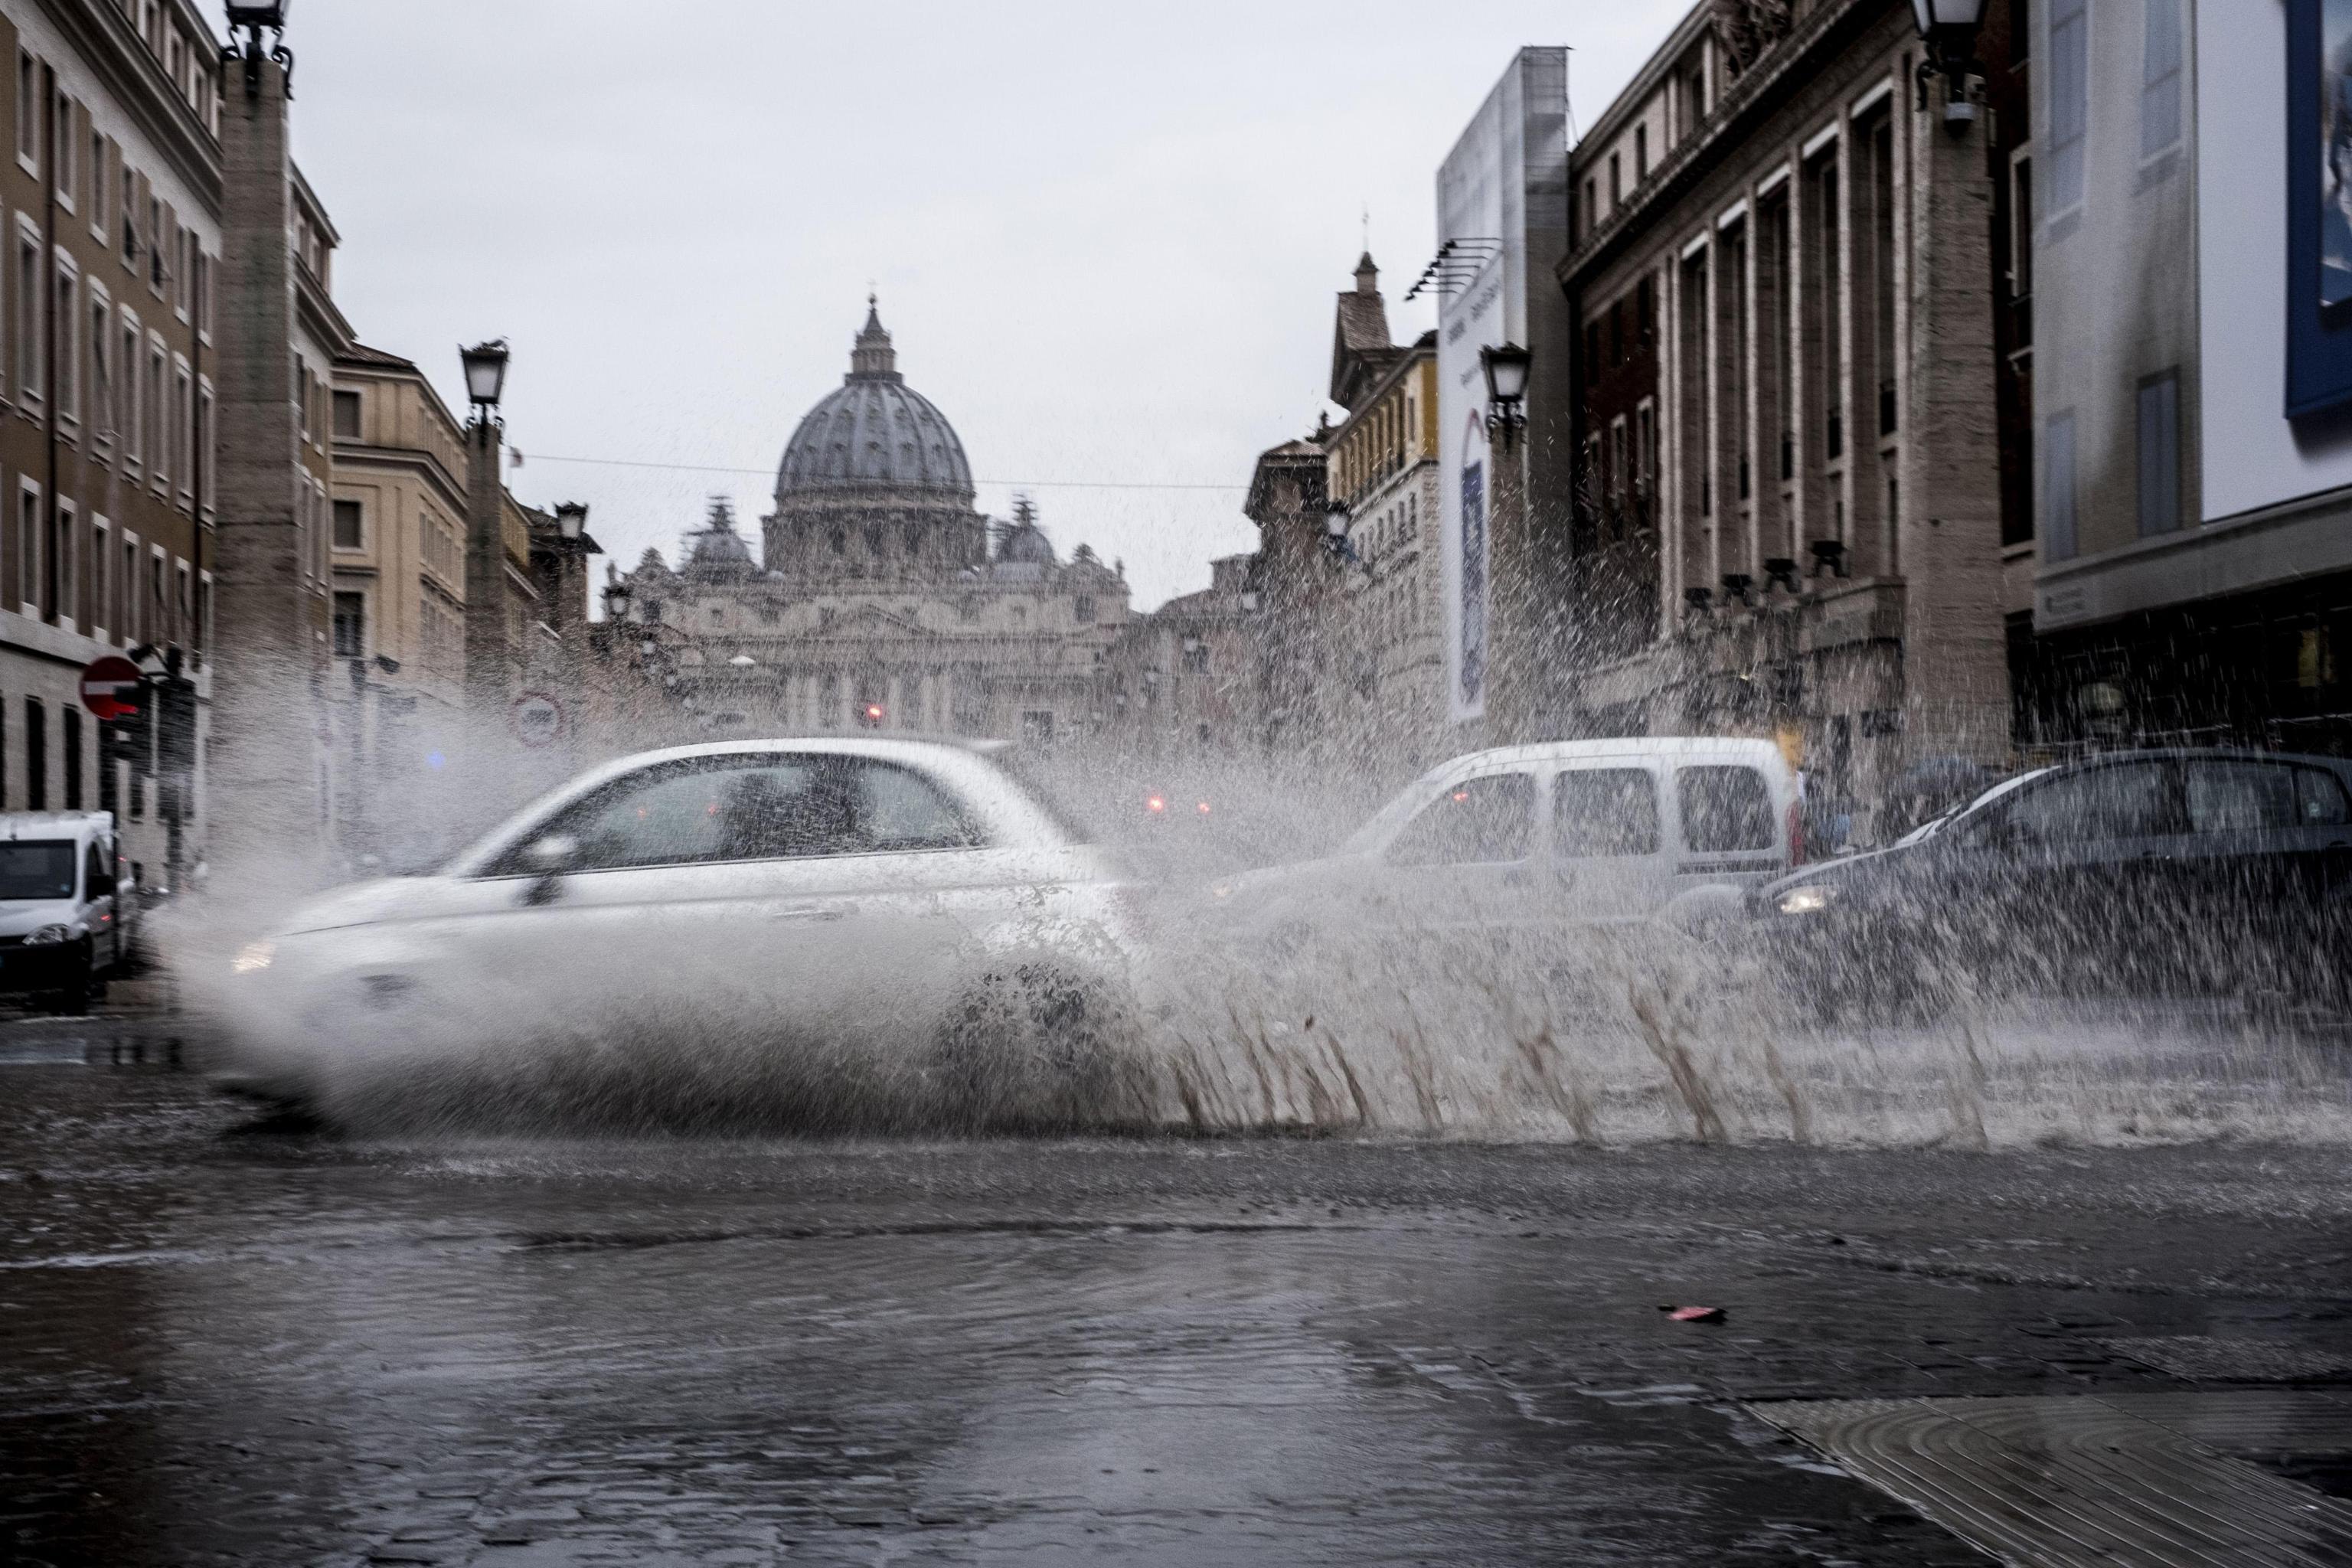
(880, 596)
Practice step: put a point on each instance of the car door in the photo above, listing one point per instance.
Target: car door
(2263, 833)
(1726, 828)
(1466, 861)
(2090, 897)
(99, 905)
(717, 892)
(1608, 853)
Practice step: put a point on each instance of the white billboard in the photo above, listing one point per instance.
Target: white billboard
(1502, 211)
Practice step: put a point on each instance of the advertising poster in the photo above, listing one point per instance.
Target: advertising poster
(2319, 206)
(1502, 209)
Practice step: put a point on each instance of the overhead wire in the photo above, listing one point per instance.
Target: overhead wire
(528, 458)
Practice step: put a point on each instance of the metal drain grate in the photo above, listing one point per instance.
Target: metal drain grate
(2112, 1480)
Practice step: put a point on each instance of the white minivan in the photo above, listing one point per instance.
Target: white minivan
(1560, 834)
(63, 917)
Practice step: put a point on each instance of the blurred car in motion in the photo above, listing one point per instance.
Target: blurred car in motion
(2156, 873)
(905, 898)
(1539, 839)
(67, 921)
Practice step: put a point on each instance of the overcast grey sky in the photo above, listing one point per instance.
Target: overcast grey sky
(1105, 238)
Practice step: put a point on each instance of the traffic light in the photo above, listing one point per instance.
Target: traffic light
(870, 715)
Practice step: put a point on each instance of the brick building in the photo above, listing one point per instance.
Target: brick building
(1792, 288)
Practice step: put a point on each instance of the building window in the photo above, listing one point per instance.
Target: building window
(73, 758)
(29, 108)
(2070, 101)
(134, 428)
(63, 603)
(351, 626)
(160, 458)
(102, 372)
(205, 457)
(2058, 487)
(2159, 91)
(347, 415)
(347, 525)
(67, 175)
(1640, 153)
(37, 755)
(2159, 454)
(1082, 610)
(28, 316)
(28, 546)
(68, 342)
(1616, 183)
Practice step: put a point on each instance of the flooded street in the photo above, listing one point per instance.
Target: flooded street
(225, 1343)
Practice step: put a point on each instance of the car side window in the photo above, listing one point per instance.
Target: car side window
(1480, 821)
(2232, 796)
(2319, 800)
(898, 809)
(1724, 809)
(2127, 800)
(706, 809)
(1605, 812)
(94, 884)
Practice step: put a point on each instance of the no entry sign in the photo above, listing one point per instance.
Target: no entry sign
(538, 718)
(109, 687)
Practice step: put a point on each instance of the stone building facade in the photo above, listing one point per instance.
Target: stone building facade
(1184, 681)
(2193, 580)
(108, 361)
(1382, 459)
(881, 596)
(1788, 273)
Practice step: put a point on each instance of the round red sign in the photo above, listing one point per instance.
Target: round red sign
(109, 687)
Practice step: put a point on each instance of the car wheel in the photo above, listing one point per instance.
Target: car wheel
(1031, 1048)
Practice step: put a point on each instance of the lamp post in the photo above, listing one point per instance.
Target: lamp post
(488, 655)
(1948, 28)
(1510, 586)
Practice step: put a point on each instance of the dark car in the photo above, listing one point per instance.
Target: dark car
(2136, 873)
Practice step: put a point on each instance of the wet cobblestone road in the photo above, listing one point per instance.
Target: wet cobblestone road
(220, 1344)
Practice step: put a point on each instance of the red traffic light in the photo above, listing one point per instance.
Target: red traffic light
(870, 715)
(1155, 804)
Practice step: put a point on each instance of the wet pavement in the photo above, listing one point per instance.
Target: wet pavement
(225, 1343)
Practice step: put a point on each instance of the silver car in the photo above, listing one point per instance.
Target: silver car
(895, 928)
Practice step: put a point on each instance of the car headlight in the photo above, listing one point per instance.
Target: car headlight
(49, 936)
(1810, 899)
(254, 955)
(1222, 890)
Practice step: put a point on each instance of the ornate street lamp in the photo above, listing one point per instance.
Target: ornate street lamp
(1334, 527)
(1506, 390)
(571, 520)
(253, 18)
(486, 377)
(1948, 28)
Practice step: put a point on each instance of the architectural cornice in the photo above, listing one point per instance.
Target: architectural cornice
(136, 82)
(1740, 111)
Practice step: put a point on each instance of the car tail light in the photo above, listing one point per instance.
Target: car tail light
(1155, 805)
(1796, 833)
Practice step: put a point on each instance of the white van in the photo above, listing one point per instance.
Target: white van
(63, 926)
(1559, 834)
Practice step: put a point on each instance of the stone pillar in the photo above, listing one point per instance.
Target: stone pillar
(1955, 653)
(486, 660)
(267, 767)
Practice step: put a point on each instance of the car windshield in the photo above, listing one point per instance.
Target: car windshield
(36, 869)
